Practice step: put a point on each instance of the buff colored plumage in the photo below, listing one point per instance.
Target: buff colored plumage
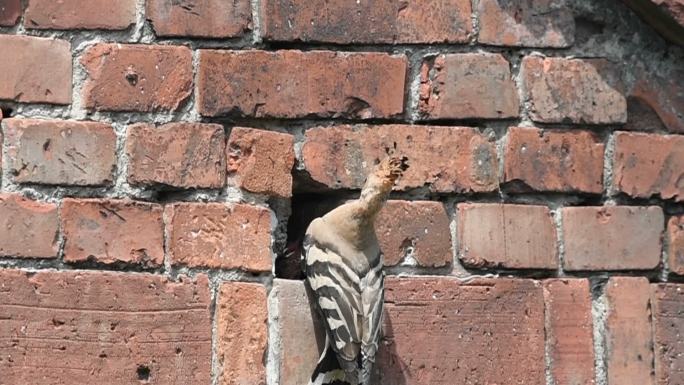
(343, 266)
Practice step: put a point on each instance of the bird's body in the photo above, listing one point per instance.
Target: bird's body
(343, 266)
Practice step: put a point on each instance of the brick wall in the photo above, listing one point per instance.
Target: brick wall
(159, 157)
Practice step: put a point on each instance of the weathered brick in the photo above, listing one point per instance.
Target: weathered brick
(37, 70)
(569, 331)
(649, 164)
(299, 329)
(29, 228)
(60, 152)
(661, 94)
(415, 229)
(104, 328)
(382, 21)
(508, 236)
(444, 331)
(111, 231)
(675, 236)
(242, 333)
(217, 235)
(667, 305)
(526, 23)
(469, 85)
(261, 161)
(184, 155)
(342, 156)
(77, 14)
(562, 161)
(291, 84)
(612, 237)
(564, 90)
(10, 10)
(628, 331)
(203, 18)
(136, 77)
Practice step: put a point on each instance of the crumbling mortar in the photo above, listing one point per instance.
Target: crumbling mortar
(475, 20)
(256, 21)
(500, 138)
(139, 27)
(166, 240)
(413, 271)
(77, 36)
(608, 167)
(548, 358)
(599, 312)
(523, 96)
(274, 339)
(452, 213)
(665, 253)
(42, 264)
(215, 366)
(557, 215)
(416, 61)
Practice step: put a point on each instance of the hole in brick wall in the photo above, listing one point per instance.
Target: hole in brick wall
(6, 112)
(143, 373)
(305, 208)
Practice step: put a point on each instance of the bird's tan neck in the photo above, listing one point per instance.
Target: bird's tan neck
(355, 220)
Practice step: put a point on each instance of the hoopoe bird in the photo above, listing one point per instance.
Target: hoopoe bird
(343, 266)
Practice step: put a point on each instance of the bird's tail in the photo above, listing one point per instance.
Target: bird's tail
(328, 370)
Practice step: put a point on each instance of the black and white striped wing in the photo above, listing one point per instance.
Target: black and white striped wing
(338, 294)
(372, 298)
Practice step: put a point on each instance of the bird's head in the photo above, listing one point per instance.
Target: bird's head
(392, 168)
(386, 173)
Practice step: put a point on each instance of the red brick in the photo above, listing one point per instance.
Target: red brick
(111, 231)
(382, 21)
(202, 18)
(612, 237)
(77, 14)
(526, 23)
(38, 70)
(469, 85)
(242, 333)
(444, 331)
(10, 10)
(628, 332)
(299, 330)
(217, 235)
(184, 155)
(261, 161)
(294, 84)
(562, 161)
(662, 95)
(61, 152)
(136, 77)
(569, 331)
(419, 230)
(564, 90)
(667, 304)
(508, 236)
(675, 236)
(29, 228)
(342, 156)
(649, 164)
(104, 328)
